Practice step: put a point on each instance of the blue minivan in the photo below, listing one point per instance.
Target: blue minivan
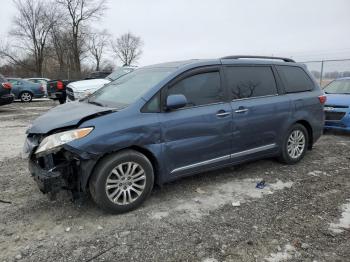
(165, 121)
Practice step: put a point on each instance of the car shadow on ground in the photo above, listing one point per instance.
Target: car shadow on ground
(184, 188)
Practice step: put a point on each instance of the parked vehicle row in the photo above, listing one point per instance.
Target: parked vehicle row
(162, 122)
(29, 88)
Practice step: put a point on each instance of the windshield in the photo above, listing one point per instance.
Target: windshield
(128, 88)
(118, 73)
(338, 87)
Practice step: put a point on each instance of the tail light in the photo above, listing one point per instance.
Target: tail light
(322, 99)
(7, 85)
(59, 85)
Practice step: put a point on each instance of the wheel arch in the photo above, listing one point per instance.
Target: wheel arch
(146, 152)
(25, 91)
(309, 129)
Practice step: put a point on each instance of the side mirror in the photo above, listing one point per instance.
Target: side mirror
(175, 102)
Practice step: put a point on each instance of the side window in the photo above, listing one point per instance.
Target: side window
(250, 81)
(14, 82)
(153, 105)
(295, 78)
(200, 89)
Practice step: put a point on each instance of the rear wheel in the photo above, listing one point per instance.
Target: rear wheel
(295, 144)
(26, 97)
(121, 182)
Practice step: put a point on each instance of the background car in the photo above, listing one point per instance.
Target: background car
(337, 109)
(80, 89)
(56, 90)
(98, 74)
(26, 90)
(42, 81)
(5, 92)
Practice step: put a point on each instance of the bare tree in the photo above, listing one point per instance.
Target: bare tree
(127, 48)
(31, 27)
(79, 12)
(97, 46)
(60, 46)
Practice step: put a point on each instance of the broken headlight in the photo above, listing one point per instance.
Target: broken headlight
(53, 142)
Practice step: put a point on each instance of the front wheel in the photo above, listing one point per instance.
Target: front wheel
(122, 182)
(26, 97)
(295, 144)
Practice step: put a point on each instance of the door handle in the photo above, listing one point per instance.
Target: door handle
(241, 110)
(222, 113)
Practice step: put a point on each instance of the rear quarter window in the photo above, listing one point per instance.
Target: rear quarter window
(295, 79)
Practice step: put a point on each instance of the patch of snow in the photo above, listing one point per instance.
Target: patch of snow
(210, 260)
(230, 192)
(344, 221)
(159, 215)
(317, 173)
(285, 254)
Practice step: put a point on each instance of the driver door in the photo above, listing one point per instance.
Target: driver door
(198, 136)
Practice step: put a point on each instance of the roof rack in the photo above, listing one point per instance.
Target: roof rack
(259, 57)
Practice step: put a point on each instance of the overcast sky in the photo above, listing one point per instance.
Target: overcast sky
(183, 29)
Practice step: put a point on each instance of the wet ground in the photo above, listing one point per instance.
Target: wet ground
(303, 214)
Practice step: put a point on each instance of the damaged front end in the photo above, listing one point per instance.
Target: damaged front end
(60, 168)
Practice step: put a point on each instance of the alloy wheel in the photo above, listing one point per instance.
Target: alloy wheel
(26, 97)
(125, 183)
(296, 144)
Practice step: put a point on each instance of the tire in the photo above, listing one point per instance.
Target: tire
(294, 145)
(26, 97)
(62, 101)
(115, 168)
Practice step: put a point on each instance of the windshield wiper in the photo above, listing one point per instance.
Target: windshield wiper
(95, 103)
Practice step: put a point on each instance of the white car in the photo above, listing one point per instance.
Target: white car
(81, 89)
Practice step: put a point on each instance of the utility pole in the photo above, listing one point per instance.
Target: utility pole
(321, 77)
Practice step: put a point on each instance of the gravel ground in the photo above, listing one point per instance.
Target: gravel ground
(303, 214)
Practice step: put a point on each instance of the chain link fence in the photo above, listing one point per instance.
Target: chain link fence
(327, 70)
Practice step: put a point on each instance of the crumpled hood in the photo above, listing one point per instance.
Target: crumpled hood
(83, 85)
(69, 114)
(338, 100)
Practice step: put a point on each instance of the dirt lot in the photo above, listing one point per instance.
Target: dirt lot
(303, 214)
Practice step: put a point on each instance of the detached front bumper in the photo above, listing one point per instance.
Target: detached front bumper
(48, 181)
(65, 169)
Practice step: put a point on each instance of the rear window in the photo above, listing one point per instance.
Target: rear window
(295, 79)
(250, 81)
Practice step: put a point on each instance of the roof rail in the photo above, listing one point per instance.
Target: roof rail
(259, 57)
